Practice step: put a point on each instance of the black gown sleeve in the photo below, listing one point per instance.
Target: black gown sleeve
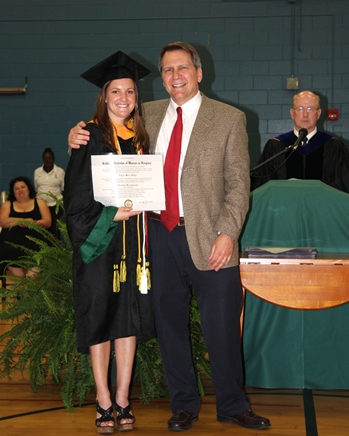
(336, 165)
(90, 224)
(275, 169)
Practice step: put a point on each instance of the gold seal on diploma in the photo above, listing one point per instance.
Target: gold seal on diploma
(128, 203)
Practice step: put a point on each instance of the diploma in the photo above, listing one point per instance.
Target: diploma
(135, 181)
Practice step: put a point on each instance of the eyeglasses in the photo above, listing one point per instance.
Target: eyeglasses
(301, 109)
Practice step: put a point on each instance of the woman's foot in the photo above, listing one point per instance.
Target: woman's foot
(124, 417)
(105, 423)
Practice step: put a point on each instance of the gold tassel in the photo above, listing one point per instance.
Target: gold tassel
(116, 279)
(138, 272)
(123, 272)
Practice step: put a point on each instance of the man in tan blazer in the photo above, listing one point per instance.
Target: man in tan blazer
(202, 250)
(210, 167)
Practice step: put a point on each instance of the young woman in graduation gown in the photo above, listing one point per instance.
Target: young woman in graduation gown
(112, 302)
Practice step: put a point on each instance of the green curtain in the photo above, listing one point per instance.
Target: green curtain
(288, 348)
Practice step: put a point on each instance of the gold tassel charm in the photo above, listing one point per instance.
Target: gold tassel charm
(116, 279)
(123, 272)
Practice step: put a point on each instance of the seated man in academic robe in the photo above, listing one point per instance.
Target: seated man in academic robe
(320, 156)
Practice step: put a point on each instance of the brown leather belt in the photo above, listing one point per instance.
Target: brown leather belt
(156, 217)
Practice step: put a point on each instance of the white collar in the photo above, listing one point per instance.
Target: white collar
(188, 108)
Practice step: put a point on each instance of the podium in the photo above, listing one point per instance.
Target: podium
(295, 348)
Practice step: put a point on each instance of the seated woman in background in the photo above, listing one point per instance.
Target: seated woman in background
(21, 205)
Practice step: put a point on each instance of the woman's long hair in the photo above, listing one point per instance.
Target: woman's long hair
(101, 116)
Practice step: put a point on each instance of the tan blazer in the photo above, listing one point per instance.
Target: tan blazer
(215, 182)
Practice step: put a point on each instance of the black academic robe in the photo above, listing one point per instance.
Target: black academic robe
(324, 158)
(101, 314)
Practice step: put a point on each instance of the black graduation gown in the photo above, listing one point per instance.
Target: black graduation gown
(324, 158)
(101, 314)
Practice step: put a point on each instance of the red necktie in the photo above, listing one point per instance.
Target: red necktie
(170, 216)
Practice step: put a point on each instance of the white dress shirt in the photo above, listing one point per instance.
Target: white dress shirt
(189, 113)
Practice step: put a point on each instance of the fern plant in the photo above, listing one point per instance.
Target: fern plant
(42, 337)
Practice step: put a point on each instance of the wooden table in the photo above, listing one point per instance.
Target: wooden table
(298, 283)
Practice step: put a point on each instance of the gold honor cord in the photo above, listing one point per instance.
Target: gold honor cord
(139, 260)
(146, 283)
(123, 271)
(142, 267)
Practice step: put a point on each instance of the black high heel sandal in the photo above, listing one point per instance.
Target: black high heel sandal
(106, 416)
(124, 413)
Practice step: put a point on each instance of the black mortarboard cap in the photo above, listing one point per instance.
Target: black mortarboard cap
(117, 66)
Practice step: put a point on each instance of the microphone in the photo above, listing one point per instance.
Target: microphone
(301, 135)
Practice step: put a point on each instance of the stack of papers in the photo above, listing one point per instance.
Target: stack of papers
(282, 252)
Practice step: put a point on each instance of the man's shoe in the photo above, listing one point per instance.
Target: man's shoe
(246, 419)
(182, 420)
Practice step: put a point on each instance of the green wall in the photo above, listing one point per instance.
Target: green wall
(248, 50)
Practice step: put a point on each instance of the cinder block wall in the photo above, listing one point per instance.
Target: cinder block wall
(248, 49)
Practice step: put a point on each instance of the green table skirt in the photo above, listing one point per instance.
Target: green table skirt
(288, 348)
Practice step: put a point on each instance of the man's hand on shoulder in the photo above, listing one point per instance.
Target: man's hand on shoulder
(78, 135)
